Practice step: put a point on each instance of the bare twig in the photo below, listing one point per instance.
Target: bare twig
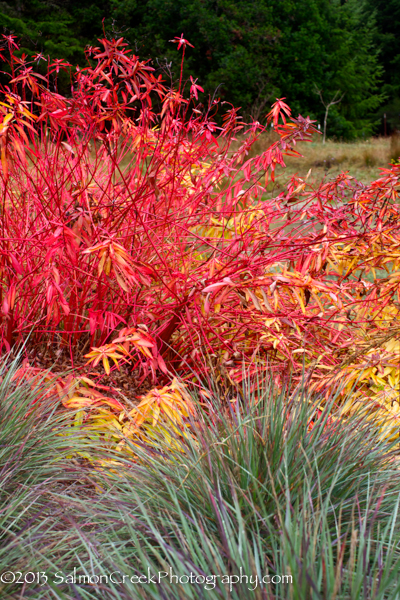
(327, 105)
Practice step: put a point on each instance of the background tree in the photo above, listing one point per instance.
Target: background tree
(387, 39)
(327, 104)
(330, 44)
(247, 52)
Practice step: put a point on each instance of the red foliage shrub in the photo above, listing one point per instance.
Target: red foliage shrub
(126, 206)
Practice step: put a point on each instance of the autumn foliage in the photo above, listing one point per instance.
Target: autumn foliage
(136, 230)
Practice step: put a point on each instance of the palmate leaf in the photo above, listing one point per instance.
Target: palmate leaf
(92, 400)
(128, 336)
(114, 351)
(169, 403)
(140, 339)
(164, 411)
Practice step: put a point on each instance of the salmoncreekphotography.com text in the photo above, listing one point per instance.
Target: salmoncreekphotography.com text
(209, 582)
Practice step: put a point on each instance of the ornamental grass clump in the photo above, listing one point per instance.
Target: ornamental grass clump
(270, 488)
(40, 456)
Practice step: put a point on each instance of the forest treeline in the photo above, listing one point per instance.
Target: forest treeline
(246, 52)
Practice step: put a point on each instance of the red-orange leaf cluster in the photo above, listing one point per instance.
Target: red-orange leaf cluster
(138, 219)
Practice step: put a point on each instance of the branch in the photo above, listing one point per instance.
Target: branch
(335, 99)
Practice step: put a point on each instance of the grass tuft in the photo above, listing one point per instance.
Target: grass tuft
(256, 491)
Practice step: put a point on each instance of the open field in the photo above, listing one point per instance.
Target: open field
(363, 159)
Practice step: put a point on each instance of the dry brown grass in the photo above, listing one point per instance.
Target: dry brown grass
(395, 147)
(362, 159)
(365, 157)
